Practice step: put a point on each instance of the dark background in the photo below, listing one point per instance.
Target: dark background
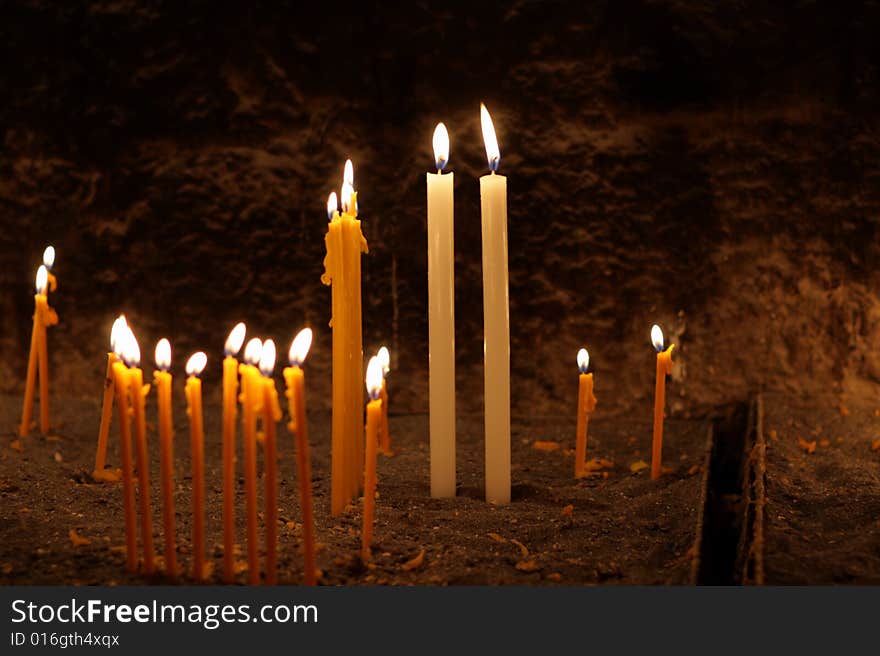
(710, 166)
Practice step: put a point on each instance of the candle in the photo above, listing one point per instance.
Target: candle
(496, 332)
(101, 474)
(194, 368)
(44, 316)
(162, 380)
(249, 376)
(49, 263)
(295, 380)
(441, 321)
(230, 408)
(121, 382)
(384, 434)
(271, 415)
(664, 368)
(374, 418)
(138, 391)
(586, 405)
(345, 242)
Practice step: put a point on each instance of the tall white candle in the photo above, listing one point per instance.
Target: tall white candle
(441, 321)
(496, 320)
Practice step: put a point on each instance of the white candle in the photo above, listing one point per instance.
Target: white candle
(441, 321)
(496, 332)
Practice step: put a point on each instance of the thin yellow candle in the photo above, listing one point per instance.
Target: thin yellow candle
(121, 382)
(586, 405)
(296, 398)
(664, 368)
(194, 367)
(374, 419)
(101, 474)
(384, 434)
(342, 271)
(138, 391)
(249, 392)
(230, 409)
(162, 379)
(271, 416)
(44, 316)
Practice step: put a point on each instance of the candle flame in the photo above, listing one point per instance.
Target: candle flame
(163, 354)
(130, 352)
(583, 359)
(42, 279)
(252, 351)
(384, 360)
(267, 358)
(332, 205)
(49, 257)
(196, 363)
(116, 332)
(348, 173)
(299, 347)
(374, 378)
(441, 146)
(657, 337)
(235, 339)
(347, 192)
(493, 153)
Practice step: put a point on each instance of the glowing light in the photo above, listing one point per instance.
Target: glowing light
(299, 347)
(49, 257)
(252, 351)
(116, 332)
(130, 352)
(374, 378)
(657, 337)
(196, 363)
(583, 359)
(332, 205)
(441, 146)
(267, 358)
(384, 360)
(42, 279)
(235, 339)
(163, 354)
(493, 153)
(348, 173)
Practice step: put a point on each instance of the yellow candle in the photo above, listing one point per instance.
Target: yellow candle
(271, 416)
(230, 409)
(441, 321)
(44, 316)
(374, 418)
(162, 379)
(249, 392)
(194, 367)
(101, 474)
(384, 434)
(496, 333)
(664, 368)
(342, 271)
(295, 380)
(138, 392)
(121, 381)
(586, 405)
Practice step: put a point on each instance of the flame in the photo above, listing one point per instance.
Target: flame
(235, 339)
(42, 279)
(493, 154)
(384, 359)
(441, 146)
(657, 337)
(163, 354)
(252, 351)
(196, 363)
(346, 193)
(267, 358)
(348, 173)
(583, 360)
(332, 205)
(49, 257)
(374, 378)
(299, 347)
(116, 332)
(130, 352)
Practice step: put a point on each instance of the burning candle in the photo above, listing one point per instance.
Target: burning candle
(249, 402)
(271, 415)
(384, 434)
(138, 391)
(194, 367)
(230, 408)
(44, 316)
(121, 382)
(296, 398)
(441, 320)
(162, 380)
(101, 474)
(496, 334)
(664, 368)
(374, 419)
(345, 242)
(586, 405)
(49, 263)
